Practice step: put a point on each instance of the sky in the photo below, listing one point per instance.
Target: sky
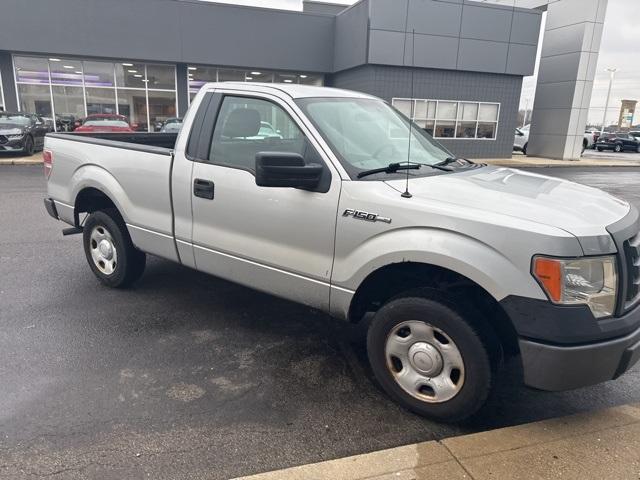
(620, 49)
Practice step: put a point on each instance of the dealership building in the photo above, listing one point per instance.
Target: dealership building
(455, 66)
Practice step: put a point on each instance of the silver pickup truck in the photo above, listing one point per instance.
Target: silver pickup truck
(343, 205)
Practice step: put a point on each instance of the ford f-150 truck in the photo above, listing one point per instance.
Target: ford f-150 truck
(354, 210)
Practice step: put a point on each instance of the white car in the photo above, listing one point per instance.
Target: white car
(521, 140)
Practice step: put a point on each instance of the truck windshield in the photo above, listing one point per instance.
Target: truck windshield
(367, 134)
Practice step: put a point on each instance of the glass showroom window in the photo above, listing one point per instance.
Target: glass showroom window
(452, 119)
(199, 75)
(71, 89)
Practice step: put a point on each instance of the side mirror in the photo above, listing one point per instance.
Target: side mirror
(283, 169)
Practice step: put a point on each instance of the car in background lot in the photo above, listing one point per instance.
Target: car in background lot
(591, 138)
(521, 140)
(22, 132)
(172, 127)
(104, 123)
(635, 134)
(618, 142)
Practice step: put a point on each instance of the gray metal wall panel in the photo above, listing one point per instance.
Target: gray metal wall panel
(351, 32)
(460, 32)
(485, 23)
(389, 82)
(386, 47)
(170, 31)
(388, 15)
(434, 18)
(323, 8)
(431, 51)
(482, 56)
(526, 28)
(259, 38)
(521, 59)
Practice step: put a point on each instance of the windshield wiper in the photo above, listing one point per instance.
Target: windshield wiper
(450, 160)
(391, 168)
(394, 167)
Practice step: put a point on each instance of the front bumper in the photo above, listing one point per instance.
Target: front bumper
(556, 368)
(566, 347)
(11, 145)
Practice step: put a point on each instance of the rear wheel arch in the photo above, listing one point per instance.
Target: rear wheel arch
(392, 280)
(91, 199)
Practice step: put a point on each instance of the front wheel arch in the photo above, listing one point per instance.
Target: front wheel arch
(395, 279)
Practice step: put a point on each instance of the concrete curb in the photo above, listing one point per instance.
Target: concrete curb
(603, 444)
(21, 161)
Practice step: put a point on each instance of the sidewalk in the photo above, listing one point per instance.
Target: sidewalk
(590, 158)
(602, 445)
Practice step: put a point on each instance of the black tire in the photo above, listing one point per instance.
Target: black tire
(638, 149)
(584, 146)
(618, 148)
(29, 147)
(130, 261)
(599, 149)
(524, 149)
(475, 342)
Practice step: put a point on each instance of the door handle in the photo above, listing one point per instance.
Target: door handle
(203, 188)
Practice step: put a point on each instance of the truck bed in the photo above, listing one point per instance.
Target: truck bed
(140, 141)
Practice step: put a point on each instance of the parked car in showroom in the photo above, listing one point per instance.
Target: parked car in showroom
(618, 142)
(172, 125)
(104, 123)
(22, 132)
(343, 214)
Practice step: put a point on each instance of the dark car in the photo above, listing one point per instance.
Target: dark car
(22, 132)
(618, 142)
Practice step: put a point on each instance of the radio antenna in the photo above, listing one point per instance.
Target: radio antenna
(406, 193)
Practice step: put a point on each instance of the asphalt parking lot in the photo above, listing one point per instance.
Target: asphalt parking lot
(188, 376)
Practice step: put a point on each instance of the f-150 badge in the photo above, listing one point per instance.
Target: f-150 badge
(366, 216)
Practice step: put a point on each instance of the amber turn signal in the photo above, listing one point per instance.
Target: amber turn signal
(549, 273)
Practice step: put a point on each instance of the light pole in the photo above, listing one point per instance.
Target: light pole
(612, 73)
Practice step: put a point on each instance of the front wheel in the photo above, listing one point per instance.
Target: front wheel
(524, 149)
(29, 147)
(429, 358)
(109, 250)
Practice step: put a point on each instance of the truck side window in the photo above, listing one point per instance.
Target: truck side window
(246, 126)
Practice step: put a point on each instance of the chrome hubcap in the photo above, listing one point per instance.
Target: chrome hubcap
(103, 250)
(424, 361)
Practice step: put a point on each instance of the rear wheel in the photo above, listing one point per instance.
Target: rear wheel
(110, 251)
(429, 357)
(599, 149)
(638, 149)
(524, 149)
(617, 148)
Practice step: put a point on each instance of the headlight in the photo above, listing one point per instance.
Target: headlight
(15, 137)
(591, 281)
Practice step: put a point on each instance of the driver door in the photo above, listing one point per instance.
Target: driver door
(278, 240)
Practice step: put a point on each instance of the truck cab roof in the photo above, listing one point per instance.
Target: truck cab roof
(292, 90)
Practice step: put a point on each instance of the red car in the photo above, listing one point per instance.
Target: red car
(104, 123)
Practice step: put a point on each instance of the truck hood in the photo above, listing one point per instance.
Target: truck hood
(580, 210)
